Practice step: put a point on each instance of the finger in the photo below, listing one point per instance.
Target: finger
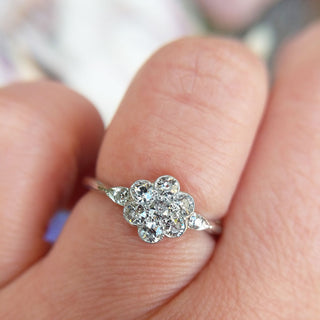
(195, 118)
(268, 261)
(236, 14)
(48, 136)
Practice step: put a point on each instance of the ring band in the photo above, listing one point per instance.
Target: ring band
(158, 209)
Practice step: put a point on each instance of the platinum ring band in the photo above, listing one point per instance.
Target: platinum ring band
(158, 209)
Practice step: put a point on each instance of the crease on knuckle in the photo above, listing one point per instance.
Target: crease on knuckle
(213, 82)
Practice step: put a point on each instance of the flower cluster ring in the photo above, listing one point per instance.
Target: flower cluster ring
(158, 209)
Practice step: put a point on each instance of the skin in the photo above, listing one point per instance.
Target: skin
(246, 152)
(233, 15)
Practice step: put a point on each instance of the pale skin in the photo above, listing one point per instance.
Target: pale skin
(200, 109)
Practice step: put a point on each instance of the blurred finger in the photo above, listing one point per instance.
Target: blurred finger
(268, 260)
(49, 136)
(234, 14)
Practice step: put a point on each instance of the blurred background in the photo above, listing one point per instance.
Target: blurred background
(97, 46)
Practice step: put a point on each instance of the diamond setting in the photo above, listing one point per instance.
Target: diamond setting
(174, 225)
(152, 233)
(158, 209)
(167, 186)
(119, 195)
(142, 191)
(135, 214)
(186, 203)
(198, 222)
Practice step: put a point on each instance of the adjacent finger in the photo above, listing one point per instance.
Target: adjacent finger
(235, 14)
(268, 261)
(191, 112)
(48, 136)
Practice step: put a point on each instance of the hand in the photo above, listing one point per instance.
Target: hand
(192, 111)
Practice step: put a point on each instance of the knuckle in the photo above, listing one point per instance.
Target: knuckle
(31, 131)
(195, 72)
(16, 117)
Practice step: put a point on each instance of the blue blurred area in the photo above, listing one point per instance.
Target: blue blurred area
(56, 225)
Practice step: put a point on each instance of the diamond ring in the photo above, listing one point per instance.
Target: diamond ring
(158, 209)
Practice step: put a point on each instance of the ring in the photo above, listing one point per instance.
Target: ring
(158, 209)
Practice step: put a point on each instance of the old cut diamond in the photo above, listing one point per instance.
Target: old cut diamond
(135, 214)
(186, 203)
(151, 232)
(119, 195)
(198, 222)
(174, 225)
(171, 217)
(167, 186)
(142, 191)
(165, 206)
(161, 205)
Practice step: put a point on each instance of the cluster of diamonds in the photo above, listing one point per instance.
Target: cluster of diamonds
(158, 209)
